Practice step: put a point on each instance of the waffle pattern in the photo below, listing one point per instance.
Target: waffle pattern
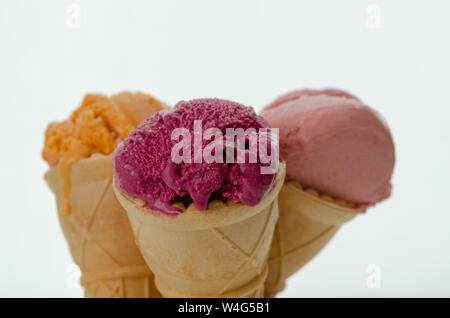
(99, 235)
(245, 256)
(307, 223)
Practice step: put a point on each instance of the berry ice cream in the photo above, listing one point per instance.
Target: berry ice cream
(145, 169)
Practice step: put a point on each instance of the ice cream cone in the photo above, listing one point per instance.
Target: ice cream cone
(219, 252)
(99, 234)
(306, 224)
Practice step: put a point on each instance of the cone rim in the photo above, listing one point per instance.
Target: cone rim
(217, 214)
(314, 207)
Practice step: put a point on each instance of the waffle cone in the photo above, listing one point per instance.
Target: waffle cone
(99, 234)
(220, 252)
(306, 224)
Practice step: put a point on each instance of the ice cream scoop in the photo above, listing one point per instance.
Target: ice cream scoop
(97, 126)
(97, 228)
(335, 144)
(336, 149)
(203, 226)
(145, 167)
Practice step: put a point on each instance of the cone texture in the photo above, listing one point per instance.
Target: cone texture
(219, 252)
(99, 234)
(306, 224)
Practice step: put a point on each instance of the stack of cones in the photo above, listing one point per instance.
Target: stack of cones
(307, 223)
(219, 252)
(99, 234)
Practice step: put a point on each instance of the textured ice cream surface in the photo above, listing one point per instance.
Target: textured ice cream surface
(96, 126)
(145, 169)
(334, 144)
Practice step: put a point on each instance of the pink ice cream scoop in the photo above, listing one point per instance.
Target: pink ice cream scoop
(333, 143)
(145, 168)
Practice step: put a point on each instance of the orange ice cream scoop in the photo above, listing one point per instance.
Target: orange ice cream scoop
(97, 126)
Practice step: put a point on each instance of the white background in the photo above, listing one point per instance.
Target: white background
(394, 56)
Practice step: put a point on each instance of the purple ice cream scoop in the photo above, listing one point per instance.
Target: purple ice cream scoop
(145, 168)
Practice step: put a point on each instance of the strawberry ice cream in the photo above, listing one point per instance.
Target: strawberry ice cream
(334, 144)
